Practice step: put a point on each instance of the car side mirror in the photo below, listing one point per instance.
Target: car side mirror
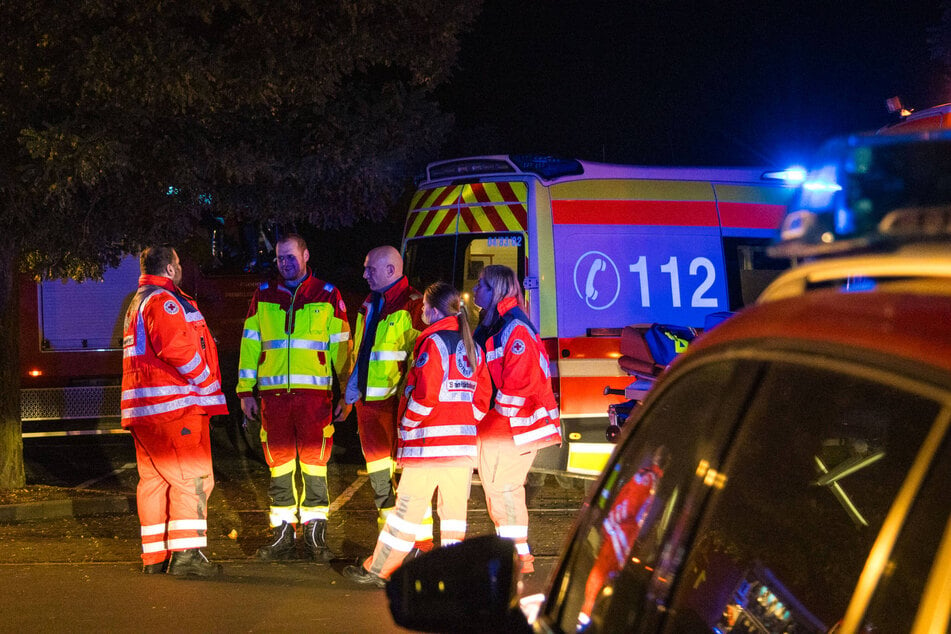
(466, 587)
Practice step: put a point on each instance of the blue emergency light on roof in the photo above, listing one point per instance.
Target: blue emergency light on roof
(548, 167)
(821, 186)
(792, 175)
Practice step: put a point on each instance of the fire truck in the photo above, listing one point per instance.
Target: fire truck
(933, 118)
(598, 247)
(71, 342)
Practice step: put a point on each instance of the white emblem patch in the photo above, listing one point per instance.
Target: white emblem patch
(518, 346)
(171, 307)
(461, 363)
(421, 361)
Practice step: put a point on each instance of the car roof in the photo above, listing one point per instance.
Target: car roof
(923, 266)
(913, 326)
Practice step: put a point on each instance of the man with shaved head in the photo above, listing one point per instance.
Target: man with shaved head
(387, 325)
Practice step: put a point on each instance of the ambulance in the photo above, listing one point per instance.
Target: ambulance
(597, 247)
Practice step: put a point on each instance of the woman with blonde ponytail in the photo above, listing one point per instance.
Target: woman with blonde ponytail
(447, 394)
(524, 416)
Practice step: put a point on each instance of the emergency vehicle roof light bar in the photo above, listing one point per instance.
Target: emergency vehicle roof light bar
(546, 167)
(469, 167)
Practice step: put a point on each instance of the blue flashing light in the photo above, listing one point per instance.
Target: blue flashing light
(860, 284)
(844, 222)
(821, 186)
(172, 191)
(204, 199)
(792, 175)
(548, 167)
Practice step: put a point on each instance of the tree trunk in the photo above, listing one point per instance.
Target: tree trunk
(12, 475)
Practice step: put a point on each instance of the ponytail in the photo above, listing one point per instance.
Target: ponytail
(466, 331)
(447, 300)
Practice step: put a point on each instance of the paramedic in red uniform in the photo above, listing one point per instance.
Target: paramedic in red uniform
(524, 417)
(447, 394)
(296, 336)
(387, 325)
(170, 387)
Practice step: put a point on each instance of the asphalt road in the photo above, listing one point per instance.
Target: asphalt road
(83, 573)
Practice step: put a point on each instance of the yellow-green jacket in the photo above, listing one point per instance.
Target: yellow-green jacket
(380, 373)
(294, 338)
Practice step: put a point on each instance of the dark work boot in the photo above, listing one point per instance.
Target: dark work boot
(315, 535)
(155, 569)
(281, 546)
(192, 562)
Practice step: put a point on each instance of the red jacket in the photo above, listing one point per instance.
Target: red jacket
(525, 406)
(444, 399)
(169, 359)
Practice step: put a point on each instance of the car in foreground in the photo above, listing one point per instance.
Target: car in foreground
(790, 471)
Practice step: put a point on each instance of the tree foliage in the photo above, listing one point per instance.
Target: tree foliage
(127, 123)
(301, 111)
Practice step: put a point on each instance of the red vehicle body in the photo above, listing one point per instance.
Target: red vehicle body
(71, 338)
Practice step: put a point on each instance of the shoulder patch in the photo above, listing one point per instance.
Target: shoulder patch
(462, 363)
(421, 361)
(518, 346)
(171, 307)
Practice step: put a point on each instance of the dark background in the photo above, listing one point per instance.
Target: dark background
(686, 82)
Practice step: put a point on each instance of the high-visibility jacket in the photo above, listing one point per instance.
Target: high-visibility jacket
(400, 322)
(294, 338)
(169, 358)
(446, 396)
(524, 404)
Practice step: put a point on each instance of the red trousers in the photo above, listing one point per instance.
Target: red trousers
(297, 436)
(175, 480)
(376, 423)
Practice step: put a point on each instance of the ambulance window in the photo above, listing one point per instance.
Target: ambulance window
(749, 270)
(459, 259)
(506, 249)
(431, 259)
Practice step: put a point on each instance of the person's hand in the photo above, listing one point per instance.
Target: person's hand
(249, 405)
(342, 411)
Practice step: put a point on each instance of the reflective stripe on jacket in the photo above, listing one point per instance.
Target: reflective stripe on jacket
(169, 359)
(398, 327)
(294, 338)
(444, 399)
(520, 376)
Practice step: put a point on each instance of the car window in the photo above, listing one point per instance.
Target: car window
(636, 510)
(896, 599)
(811, 474)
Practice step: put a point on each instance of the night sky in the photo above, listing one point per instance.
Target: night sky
(687, 83)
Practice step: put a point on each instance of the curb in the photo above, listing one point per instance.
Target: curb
(55, 509)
